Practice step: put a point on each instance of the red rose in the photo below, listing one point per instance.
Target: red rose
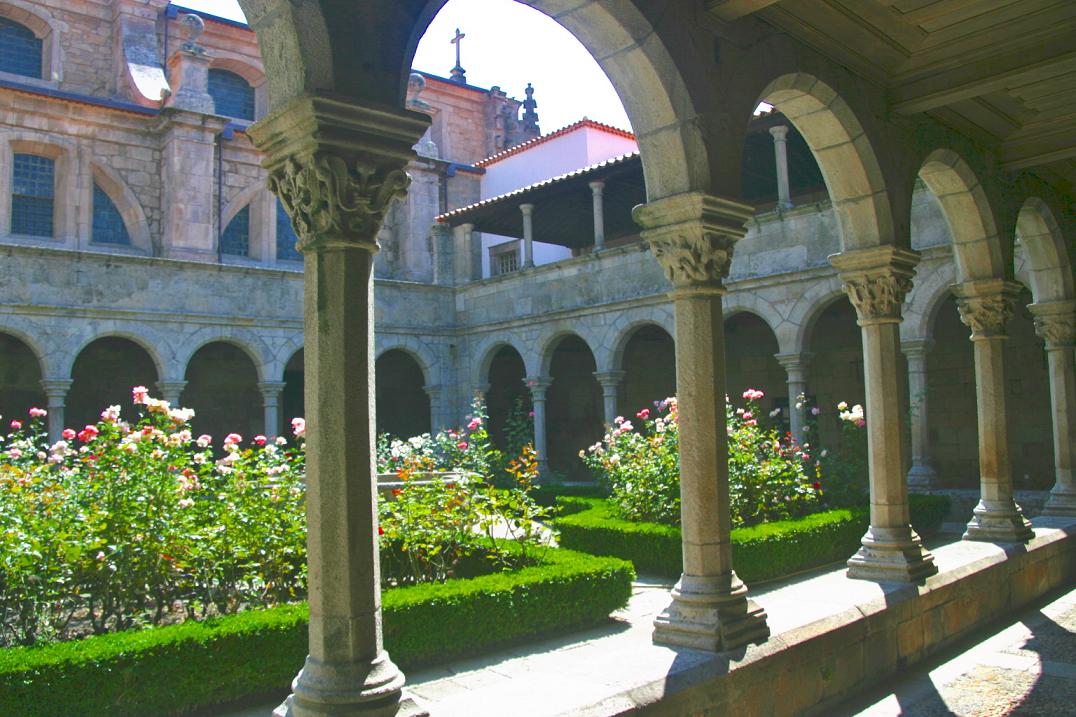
(818, 486)
(380, 530)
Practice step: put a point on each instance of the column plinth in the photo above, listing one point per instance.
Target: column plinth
(986, 307)
(610, 382)
(692, 236)
(921, 476)
(1055, 323)
(876, 281)
(336, 167)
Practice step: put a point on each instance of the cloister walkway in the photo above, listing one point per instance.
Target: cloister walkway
(831, 636)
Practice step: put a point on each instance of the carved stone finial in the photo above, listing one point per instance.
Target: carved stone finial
(194, 26)
(693, 236)
(329, 200)
(986, 306)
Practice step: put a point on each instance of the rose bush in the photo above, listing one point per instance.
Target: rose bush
(771, 477)
(135, 521)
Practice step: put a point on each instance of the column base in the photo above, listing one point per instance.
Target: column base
(1061, 501)
(999, 522)
(711, 614)
(922, 477)
(892, 556)
(354, 690)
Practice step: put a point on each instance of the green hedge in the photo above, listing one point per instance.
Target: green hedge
(172, 670)
(760, 552)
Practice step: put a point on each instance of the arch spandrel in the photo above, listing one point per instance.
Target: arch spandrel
(1049, 263)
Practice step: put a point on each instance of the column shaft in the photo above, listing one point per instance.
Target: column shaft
(1055, 323)
(597, 189)
(271, 406)
(795, 365)
(692, 236)
(528, 234)
(610, 383)
(780, 150)
(876, 281)
(56, 394)
(538, 386)
(986, 307)
(922, 475)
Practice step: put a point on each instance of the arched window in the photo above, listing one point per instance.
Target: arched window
(236, 237)
(32, 195)
(20, 49)
(232, 95)
(285, 236)
(108, 225)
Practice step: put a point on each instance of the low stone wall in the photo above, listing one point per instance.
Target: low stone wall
(807, 670)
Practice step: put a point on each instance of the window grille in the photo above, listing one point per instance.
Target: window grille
(232, 95)
(20, 49)
(108, 225)
(235, 241)
(32, 197)
(504, 258)
(285, 236)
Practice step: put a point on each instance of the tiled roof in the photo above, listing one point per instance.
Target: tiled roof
(585, 122)
(594, 168)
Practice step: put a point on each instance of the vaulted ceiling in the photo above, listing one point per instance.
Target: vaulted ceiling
(1000, 71)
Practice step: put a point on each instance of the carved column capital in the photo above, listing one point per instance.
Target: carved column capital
(986, 306)
(271, 390)
(56, 388)
(538, 386)
(337, 166)
(610, 379)
(692, 236)
(1055, 323)
(876, 281)
(916, 349)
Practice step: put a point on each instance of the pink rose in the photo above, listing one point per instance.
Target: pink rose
(139, 394)
(260, 440)
(462, 445)
(233, 438)
(16, 425)
(475, 423)
(68, 434)
(38, 413)
(298, 427)
(643, 414)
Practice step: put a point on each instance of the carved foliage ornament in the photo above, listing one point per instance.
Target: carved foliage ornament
(693, 260)
(986, 316)
(330, 202)
(1056, 331)
(878, 297)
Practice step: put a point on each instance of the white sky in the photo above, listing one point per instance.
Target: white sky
(507, 44)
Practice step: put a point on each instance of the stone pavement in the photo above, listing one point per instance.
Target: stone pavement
(612, 668)
(1027, 668)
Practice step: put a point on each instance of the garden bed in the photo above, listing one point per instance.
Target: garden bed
(759, 553)
(175, 669)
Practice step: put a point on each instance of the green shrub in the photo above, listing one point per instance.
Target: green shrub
(174, 669)
(759, 552)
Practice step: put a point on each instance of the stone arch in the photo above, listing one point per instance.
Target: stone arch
(1048, 262)
(751, 346)
(48, 29)
(257, 198)
(134, 218)
(794, 335)
(924, 301)
(317, 46)
(138, 339)
(574, 417)
(249, 343)
(485, 354)
(551, 338)
(504, 370)
(646, 353)
(21, 371)
(419, 351)
(247, 68)
(844, 154)
(42, 356)
(222, 376)
(977, 247)
(103, 372)
(403, 406)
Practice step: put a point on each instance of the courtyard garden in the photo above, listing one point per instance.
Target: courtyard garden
(146, 570)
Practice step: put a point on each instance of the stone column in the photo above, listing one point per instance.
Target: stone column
(271, 405)
(596, 189)
(538, 385)
(922, 475)
(876, 281)
(56, 395)
(468, 255)
(1055, 322)
(692, 236)
(795, 366)
(188, 184)
(985, 307)
(171, 390)
(441, 239)
(780, 150)
(436, 411)
(336, 167)
(528, 234)
(610, 382)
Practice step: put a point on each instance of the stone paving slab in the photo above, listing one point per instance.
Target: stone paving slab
(1026, 669)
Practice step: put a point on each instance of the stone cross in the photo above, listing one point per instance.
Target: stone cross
(458, 73)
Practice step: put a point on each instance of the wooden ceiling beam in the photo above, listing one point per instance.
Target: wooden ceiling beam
(729, 10)
(1001, 72)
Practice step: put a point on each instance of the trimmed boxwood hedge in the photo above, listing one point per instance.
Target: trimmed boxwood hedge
(175, 669)
(760, 552)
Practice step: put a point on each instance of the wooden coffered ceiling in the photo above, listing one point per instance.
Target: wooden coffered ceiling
(1000, 71)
